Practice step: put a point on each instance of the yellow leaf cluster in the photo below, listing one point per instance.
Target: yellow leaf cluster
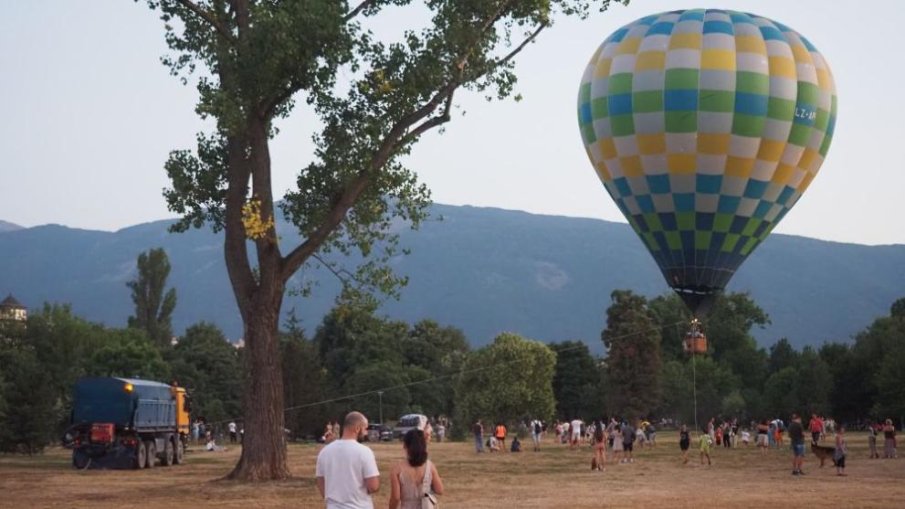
(255, 226)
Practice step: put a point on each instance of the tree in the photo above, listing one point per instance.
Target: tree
(351, 337)
(708, 381)
(439, 351)
(633, 364)
(259, 57)
(507, 380)
(304, 382)
(816, 383)
(878, 351)
(208, 366)
(782, 392)
(30, 422)
(673, 318)
(782, 355)
(153, 307)
(62, 344)
(128, 353)
(576, 381)
(848, 400)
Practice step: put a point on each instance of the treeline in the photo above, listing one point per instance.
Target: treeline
(356, 359)
(40, 360)
(646, 373)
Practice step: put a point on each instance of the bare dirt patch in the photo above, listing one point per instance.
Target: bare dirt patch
(553, 478)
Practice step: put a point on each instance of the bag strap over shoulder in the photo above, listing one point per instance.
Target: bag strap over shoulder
(428, 478)
(428, 501)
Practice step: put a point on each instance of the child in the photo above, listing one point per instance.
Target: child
(618, 447)
(684, 443)
(516, 445)
(872, 441)
(746, 437)
(705, 448)
(841, 450)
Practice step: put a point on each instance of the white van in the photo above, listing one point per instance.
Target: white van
(407, 422)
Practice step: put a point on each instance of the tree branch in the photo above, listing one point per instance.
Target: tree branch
(429, 124)
(338, 273)
(209, 18)
(271, 106)
(398, 136)
(521, 46)
(357, 10)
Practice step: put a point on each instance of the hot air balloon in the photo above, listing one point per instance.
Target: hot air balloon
(705, 126)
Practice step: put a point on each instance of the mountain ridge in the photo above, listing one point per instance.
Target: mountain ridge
(482, 269)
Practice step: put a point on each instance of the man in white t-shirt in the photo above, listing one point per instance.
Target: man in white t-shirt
(232, 432)
(346, 472)
(576, 433)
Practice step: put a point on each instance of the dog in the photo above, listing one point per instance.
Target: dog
(824, 452)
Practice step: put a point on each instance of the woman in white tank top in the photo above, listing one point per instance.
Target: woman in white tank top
(414, 477)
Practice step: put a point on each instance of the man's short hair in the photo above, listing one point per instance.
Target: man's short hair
(354, 419)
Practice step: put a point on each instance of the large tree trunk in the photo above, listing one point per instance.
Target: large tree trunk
(264, 444)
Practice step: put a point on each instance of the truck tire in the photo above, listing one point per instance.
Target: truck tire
(141, 455)
(179, 456)
(80, 459)
(168, 454)
(152, 453)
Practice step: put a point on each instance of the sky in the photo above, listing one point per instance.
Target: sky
(88, 115)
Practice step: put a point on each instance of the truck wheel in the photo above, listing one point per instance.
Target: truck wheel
(168, 454)
(179, 456)
(80, 460)
(152, 453)
(141, 455)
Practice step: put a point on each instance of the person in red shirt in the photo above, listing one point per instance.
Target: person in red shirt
(815, 426)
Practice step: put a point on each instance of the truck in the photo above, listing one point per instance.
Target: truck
(127, 423)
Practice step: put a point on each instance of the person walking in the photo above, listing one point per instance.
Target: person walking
(796, 437)
(575, 428)
(684, 443)
(628, 442)
(889, 439)
(618, 448)
(233, 433)
(415, 477)
(537, 432)
(600, 440)
(478, 430)
(346, 470)
(763, 437)
(705, 443)
(815, 426)
(841, 451)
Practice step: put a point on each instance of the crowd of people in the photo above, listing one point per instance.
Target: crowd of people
(347, 473)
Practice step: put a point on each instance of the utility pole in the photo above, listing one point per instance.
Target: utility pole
(380, 398)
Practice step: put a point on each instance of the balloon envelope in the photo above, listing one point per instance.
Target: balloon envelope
(705, 126)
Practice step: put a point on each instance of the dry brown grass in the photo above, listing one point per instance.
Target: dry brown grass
(554, 478)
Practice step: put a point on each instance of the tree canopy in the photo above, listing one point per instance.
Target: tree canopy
(509, 379)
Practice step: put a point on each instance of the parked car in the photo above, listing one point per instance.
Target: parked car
(379, 433)
(407, 422)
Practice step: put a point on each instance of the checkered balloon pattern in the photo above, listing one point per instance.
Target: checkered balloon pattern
(706, 126)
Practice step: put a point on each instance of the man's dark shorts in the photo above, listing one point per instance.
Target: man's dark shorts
(798, 450)
(628, 446)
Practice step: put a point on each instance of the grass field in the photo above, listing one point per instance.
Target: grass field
(555, 477)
